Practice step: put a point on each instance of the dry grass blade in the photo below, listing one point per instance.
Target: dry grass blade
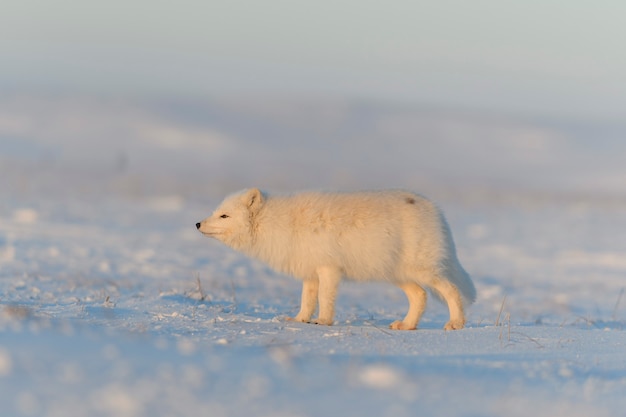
(497, 323)
(200, 290)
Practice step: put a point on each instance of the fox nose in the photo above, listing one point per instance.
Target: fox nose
(197, 225)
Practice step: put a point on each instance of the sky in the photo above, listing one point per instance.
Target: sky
(554, 58)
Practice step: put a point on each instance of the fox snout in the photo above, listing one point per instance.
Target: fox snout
(198, 226)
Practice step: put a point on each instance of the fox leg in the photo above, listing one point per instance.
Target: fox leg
(308, 302)
(451, 294)
(328, 283)
(417, 303)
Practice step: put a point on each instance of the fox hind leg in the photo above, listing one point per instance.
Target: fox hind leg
(417, 303)
(451, 294)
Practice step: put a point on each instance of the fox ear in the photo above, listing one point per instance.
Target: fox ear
(253, 198)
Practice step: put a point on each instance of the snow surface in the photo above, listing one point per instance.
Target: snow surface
(112, 304)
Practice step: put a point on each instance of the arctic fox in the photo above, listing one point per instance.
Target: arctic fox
(394, 236)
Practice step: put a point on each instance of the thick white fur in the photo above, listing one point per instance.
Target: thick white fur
(321, 238)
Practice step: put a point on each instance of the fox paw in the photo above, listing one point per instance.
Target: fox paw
(323, 322)
(298, 319)
(400, 325)
(454, 325)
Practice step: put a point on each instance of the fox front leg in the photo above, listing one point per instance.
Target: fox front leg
(328, 283)
(308, 303)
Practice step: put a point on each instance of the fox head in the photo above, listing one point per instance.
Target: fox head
(233, 222)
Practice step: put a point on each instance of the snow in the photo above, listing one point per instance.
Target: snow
(111, 303)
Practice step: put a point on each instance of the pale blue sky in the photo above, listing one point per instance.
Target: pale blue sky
(558, 58)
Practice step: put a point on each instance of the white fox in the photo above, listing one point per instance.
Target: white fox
(394, 236)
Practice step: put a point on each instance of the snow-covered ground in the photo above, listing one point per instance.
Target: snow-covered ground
(112, 304)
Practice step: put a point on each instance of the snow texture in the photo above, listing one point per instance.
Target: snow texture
(112, 304)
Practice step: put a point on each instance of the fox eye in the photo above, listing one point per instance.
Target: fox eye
(224, 216)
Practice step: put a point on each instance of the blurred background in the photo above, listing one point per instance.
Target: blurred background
(200, 98)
